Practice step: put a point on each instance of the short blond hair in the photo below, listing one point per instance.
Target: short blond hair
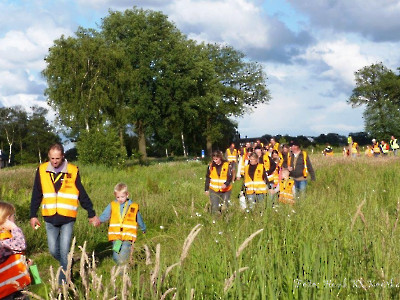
(121, 188)
(6, 210)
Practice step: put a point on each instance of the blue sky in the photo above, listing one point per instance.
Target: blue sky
(309, 50)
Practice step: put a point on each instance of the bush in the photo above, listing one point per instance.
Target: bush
(101, 147)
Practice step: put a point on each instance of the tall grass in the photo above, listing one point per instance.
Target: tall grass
(340, 241)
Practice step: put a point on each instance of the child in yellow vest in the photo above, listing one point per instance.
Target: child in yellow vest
(124, 218)
(285, 188)
(14, 275)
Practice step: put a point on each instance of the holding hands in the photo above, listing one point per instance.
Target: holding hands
(95, 221)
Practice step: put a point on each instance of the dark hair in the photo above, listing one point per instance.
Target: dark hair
(219, 154)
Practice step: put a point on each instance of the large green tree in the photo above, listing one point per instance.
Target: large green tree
(377, 89)
(140, 72)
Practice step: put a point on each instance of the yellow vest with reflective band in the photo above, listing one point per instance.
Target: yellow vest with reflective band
(231, 155)
(123, 228)
(275, 175)
(354, 148)
(216, 181)
(65, 201)
(286, 191)
(385, 148)
(14, 275)
(394, 145)
(305, 170)
(376, 148)
(256, 185)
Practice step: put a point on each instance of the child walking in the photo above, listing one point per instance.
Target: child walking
(124, 217)
(14, 275)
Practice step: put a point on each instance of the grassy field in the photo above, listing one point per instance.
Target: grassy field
(341, 241)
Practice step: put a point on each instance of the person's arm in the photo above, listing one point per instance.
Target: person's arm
(36, 200)
(106, 214)
(84, 199)
(272, 166)
(229, 175)
(207, 183)
(310, 168)
(140, 222)
(37, 196)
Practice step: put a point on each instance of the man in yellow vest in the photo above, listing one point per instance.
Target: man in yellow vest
(394, 145)
(231, 155)
(300, 167)
(58, 191)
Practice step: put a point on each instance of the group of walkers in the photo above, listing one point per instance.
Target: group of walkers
(275, 172)
(375, 149)
(58, 190)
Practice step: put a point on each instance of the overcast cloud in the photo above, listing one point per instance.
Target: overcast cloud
(309, 50)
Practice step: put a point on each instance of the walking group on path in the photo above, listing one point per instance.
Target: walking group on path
(275, 172)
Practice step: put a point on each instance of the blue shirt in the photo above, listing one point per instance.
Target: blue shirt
(106, 215)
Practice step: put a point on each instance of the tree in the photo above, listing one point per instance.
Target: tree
(377, 88)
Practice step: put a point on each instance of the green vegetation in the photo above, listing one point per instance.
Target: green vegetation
(341, 241)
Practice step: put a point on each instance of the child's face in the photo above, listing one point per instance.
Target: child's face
(121, 196)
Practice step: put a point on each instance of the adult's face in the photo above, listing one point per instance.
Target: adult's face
(56, 158)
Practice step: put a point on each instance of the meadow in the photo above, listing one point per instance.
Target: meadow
(340, 241)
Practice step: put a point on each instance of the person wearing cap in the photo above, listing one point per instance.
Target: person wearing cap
(300, 167)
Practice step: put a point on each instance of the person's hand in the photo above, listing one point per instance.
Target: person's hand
(206, 192)
(8, 225)
(223, 186)
(290, 169)
(34, 223)
(95, 221)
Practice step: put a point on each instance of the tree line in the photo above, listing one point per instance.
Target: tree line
(138, 79)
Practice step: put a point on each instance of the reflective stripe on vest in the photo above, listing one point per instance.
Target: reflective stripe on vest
(231, 154)
(216, 181)
(14, 275)
(123, 227)
(65, 202)
(394, 145)
(376, 148)
(257, 185)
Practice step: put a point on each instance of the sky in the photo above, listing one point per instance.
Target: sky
(309, 50)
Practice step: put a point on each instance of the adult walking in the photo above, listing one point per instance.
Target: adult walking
(300, 167)
(218, 183)
(394, 145)
(58, 190)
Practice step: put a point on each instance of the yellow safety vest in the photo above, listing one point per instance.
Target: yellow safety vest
(256, 185)
(123, 227)
(216, 181)
(354, 148)
(14, 274)
(394, 145)
(376, 148)
(305, 170)
(286, 191)
(65, 201)
(232, 155)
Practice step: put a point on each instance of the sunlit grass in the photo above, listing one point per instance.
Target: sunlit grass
(325, 246)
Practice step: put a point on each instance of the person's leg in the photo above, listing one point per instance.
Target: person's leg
(300, 186)
(215, 200)
(53, 240)
(226, 200)
(66, 233)
(251, 200)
